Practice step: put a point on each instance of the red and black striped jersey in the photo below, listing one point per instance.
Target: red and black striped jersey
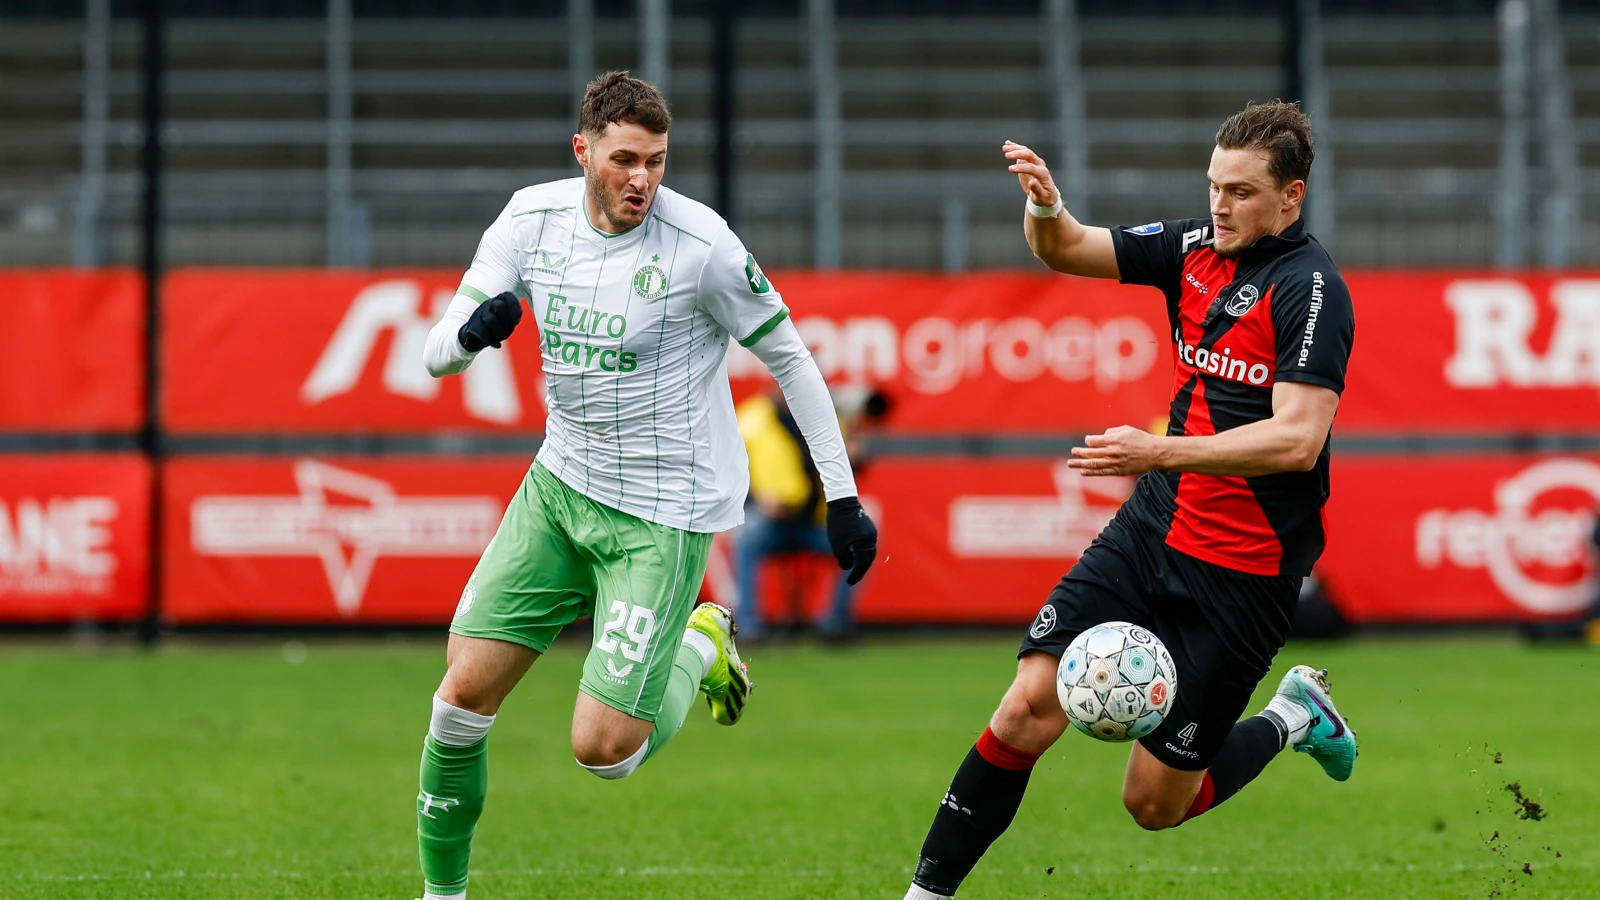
(1278, 311)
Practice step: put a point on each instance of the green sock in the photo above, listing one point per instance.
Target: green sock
(682, 688)
(454, 782)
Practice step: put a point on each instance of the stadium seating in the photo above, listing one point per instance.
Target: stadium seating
(450, 115)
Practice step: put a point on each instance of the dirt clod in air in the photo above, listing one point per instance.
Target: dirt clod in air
(1527, 868)
(1498, 760)
(1050, 870)
(1527, 807)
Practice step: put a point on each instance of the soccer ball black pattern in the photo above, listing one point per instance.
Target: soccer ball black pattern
(1116, 682)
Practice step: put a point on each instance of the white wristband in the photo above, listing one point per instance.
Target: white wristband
(1044, 212)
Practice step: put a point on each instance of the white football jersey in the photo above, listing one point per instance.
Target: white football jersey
(634, 331)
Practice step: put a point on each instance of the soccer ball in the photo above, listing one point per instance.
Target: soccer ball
(1116, 682)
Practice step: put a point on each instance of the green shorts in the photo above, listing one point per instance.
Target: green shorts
(557, 556)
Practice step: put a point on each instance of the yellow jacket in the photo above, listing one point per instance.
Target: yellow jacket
(778, 472)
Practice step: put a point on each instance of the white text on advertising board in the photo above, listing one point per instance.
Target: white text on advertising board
(489, 389)
(347, 539)
(1495, 322)
(1057, 527)
(1519, 536)
(934, 355)
(57, 546)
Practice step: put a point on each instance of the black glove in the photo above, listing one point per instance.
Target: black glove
(853, 537)
(491, 323)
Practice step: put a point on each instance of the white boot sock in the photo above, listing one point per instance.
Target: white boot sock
(1296, 719)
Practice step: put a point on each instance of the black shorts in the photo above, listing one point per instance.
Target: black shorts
(1222, 626)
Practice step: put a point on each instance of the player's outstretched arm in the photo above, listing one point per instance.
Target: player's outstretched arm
(1289, 441)
(851, 533)
(1059, 241)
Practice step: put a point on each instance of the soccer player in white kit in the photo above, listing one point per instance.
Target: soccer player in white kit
(636, 290)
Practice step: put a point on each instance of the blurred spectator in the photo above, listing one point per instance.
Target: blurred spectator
(786, 510)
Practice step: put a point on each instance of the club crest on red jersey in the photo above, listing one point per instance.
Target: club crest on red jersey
(1243, 301)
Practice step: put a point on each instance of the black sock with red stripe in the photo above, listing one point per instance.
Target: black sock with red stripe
(982, 800)
(1250, 745)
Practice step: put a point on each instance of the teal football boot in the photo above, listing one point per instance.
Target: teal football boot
(1329, 739)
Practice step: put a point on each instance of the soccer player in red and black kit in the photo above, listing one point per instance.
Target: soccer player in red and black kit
(1226, 518)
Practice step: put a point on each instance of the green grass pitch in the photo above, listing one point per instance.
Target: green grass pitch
(225, 771)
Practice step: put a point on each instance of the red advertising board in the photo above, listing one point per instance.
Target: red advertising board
(963, 540)
(74, 537)
(1474, 353)
(1437, 538)
(1014, 352)
(1472, 538)
(1469, 352)
(72, 350)
(258, 350)
(966, 540)
(329, 539)
(1420, 539)
(393, 541)
(310, 351)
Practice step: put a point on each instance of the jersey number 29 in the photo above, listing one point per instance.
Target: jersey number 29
(641, 624)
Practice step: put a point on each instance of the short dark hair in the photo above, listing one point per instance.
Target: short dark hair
(621, 98)
(1281, 129)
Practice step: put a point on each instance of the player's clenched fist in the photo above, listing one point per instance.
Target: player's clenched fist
(1032, 173)
(852, 536)
(492, 322)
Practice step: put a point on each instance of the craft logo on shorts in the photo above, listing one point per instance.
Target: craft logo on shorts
(1044, 623)
(1533, 544)
(650, 282)
(1243, 301)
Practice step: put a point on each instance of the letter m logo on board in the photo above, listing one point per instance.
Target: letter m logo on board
(395, 306)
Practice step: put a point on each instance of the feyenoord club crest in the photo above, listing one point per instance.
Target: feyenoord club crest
(650, 282)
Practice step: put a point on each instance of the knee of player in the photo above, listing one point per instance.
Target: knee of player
(597, 750)
(608, 759)
(1150, 813)
(467, 698)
